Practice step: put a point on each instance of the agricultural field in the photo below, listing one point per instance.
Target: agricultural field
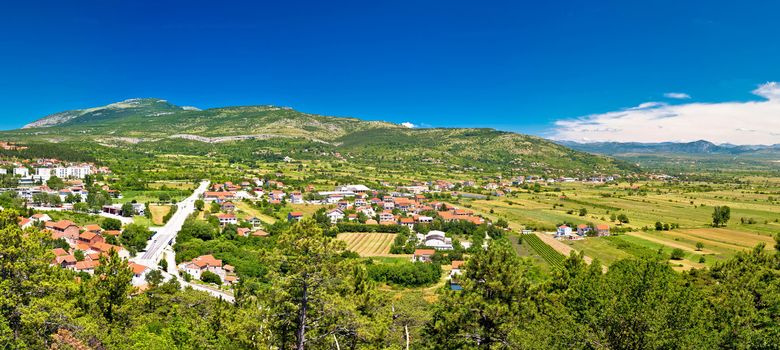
(755, 217)
(368, 244)
(545, 251)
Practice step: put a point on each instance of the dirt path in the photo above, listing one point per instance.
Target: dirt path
(650, 238)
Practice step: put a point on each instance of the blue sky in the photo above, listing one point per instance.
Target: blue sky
(513, 65)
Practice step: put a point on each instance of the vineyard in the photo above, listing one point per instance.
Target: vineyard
(550, 255)
(368, 243)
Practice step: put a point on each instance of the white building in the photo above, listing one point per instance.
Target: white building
(335, 215)
(22, 171)
(438, 240)
(563, 230)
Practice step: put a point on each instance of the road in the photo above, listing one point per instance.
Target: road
(160, 245)
(165, 235)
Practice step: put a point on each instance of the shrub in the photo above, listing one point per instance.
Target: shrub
(210, 277)
(677, 254)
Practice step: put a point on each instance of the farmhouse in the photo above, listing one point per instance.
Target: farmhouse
(563, 230)
(583, 229)
(602, 230)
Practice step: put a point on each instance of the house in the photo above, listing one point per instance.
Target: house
(63, 229)
(386, 216)
(203, 263)
(219, 197)
(294, 215)
(403, 204)
(25, 222)
(93, 228)
(368, 211)
(105, 248)
(423, 255)
(259, 233)
(255, 221)
(225, 219)
(139, 273)
(87, 266)
(91, 238)
(408, 222)
(456, 267)
(335, 215)
(583, 229)
(243, 231)
(438, 240)
(228, 207)
(296, 198)
(40, 217)
(602, 230)
(424, 219)
(563, 230)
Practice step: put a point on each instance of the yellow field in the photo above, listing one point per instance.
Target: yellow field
(368, 244)
(158, 212)
(245, 211)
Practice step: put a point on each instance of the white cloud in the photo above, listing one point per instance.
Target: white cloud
(742, 123)
(677, 95)
(409, 125)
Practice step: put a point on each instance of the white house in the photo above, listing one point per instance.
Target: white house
(335, 215)
(139, 274)
(563, 230)
(203, 263)
(225, 219)
(22, 171)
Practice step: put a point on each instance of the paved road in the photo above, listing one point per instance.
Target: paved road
(159, 245)
(167, 233)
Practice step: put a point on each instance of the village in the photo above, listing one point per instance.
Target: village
(417, 212)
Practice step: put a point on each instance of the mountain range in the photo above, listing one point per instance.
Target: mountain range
(700, 147)
(158, 126)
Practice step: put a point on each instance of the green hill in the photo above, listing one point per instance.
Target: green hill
(248, 133)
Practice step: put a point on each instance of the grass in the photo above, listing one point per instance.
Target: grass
(142, 220)
(246, 211)
(524, 249)
(158, 213)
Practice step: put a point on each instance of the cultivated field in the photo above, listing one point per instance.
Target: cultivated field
(755, 217)
(368, 243)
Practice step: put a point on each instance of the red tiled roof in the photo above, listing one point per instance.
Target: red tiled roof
(137, 268)
(419, 252)
(59, 252)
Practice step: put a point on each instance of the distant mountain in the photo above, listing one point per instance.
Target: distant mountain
(243, 132)
(700, 147)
